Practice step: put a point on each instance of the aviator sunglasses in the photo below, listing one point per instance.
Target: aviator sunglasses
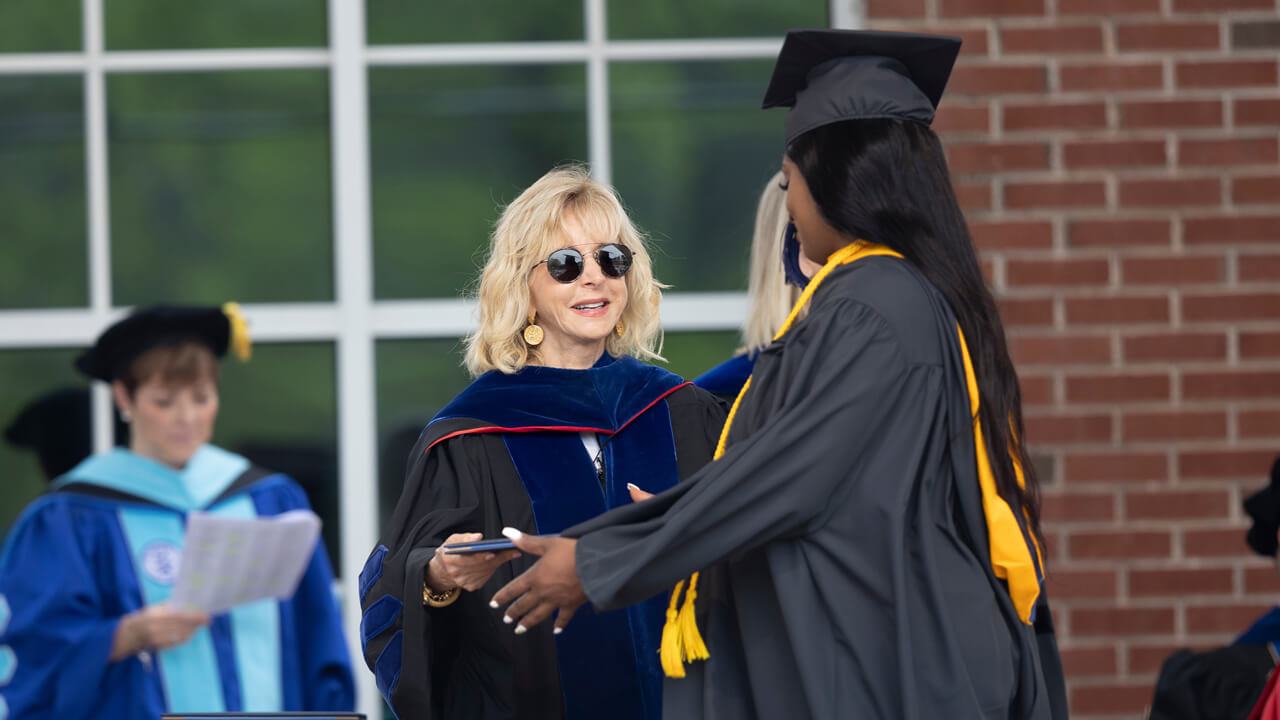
(566, 264)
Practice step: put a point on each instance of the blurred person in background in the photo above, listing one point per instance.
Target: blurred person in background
(870, 526)
(88, 567)
(562, 423)
(778, 273)
(56, 427)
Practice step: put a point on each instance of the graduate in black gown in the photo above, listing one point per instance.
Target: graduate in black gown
(869, 534)
(560, 421)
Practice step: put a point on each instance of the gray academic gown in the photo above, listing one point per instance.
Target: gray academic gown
(841, 535)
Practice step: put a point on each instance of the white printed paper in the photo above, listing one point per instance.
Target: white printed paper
(232, 561)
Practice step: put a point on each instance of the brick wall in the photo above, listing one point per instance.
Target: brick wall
(1118, 161)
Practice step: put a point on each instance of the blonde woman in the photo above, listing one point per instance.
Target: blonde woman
(561, 422)
(771, 290)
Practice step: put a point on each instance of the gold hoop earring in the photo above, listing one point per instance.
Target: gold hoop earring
(532, 333)
(620, 329)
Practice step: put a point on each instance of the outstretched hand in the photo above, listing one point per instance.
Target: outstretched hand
(551, 585)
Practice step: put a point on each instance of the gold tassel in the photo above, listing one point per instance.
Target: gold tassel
(239, 342)
(672, 650)
(692, 646)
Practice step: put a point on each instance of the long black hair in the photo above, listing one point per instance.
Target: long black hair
(886, 181)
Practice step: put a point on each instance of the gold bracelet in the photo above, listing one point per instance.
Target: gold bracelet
(441, 599)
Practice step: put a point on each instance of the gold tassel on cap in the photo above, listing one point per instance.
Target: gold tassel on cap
(239, 343)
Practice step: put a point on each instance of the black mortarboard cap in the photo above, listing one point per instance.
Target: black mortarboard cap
(826, 76)
(151, 327)
(1264, 507)
(56, 426)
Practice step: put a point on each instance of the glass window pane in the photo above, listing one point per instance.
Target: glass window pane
(712, 18)
(280, 411)
(449, 144)
(691, 153)
(689, 354)
(40, 26)
(416, 378)
(165, 24)
(28, 377)
(44, 252)
(220, 187)
(396, 22)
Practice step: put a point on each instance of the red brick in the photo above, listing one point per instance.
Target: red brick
(1111, 468)
(1023, 273)
(988, 267)
(1168, 36)
(1172, 192)
(1117, 310)
(1178, 505)
(1220, 5)
(1060, 429)
(1107, 7)
(1012, 235)
(1263, 111)
(1233, 151)
(1121, 621)
(1060, 194)
(1111, 76)
(1171, 114)
(1224, 618)
(959, 118)
(1171, 425)
(1214, 543)
(1231, 229)
(1229, 73)
(1241, 384)
(1175, 347)
(1109, 389)
(973, 196)
(1259, 268)
(1264, 190)
(1087, 662)
(1147, 659)
(895, 8)
(1073, 507)
(1258, 423)
(996, 157)
(1180, 581)
(1109, 154)
(1031, 311)
(998, 79)
(1254, 345)
(1036, 389)
(1060, 350)
(1230, 308)
(1059, 39)
(1225, 465)
(1118, 544)
(1119, 233)
(989, 8)
(1055, 116)
(1261, 580)
(1109, 699)
(1081, 584)
(1172, 270)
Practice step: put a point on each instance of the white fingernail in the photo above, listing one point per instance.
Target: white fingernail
(520, 629)
(632, 486)
(506, 619)
(512, 533)
(493, 604)
(557, 631)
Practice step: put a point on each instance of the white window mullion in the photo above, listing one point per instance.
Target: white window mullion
(598, 143)
(357, 415)
(99, 226)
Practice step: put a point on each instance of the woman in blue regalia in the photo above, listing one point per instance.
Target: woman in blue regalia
(88, 567)
(561, 423)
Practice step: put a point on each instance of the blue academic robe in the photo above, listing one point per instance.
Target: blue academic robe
(107, 541)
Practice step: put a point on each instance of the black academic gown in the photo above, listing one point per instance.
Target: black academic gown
(507, 452)
(842, 533)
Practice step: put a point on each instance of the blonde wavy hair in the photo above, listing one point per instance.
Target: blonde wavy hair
(769, 297)
(530, 228)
